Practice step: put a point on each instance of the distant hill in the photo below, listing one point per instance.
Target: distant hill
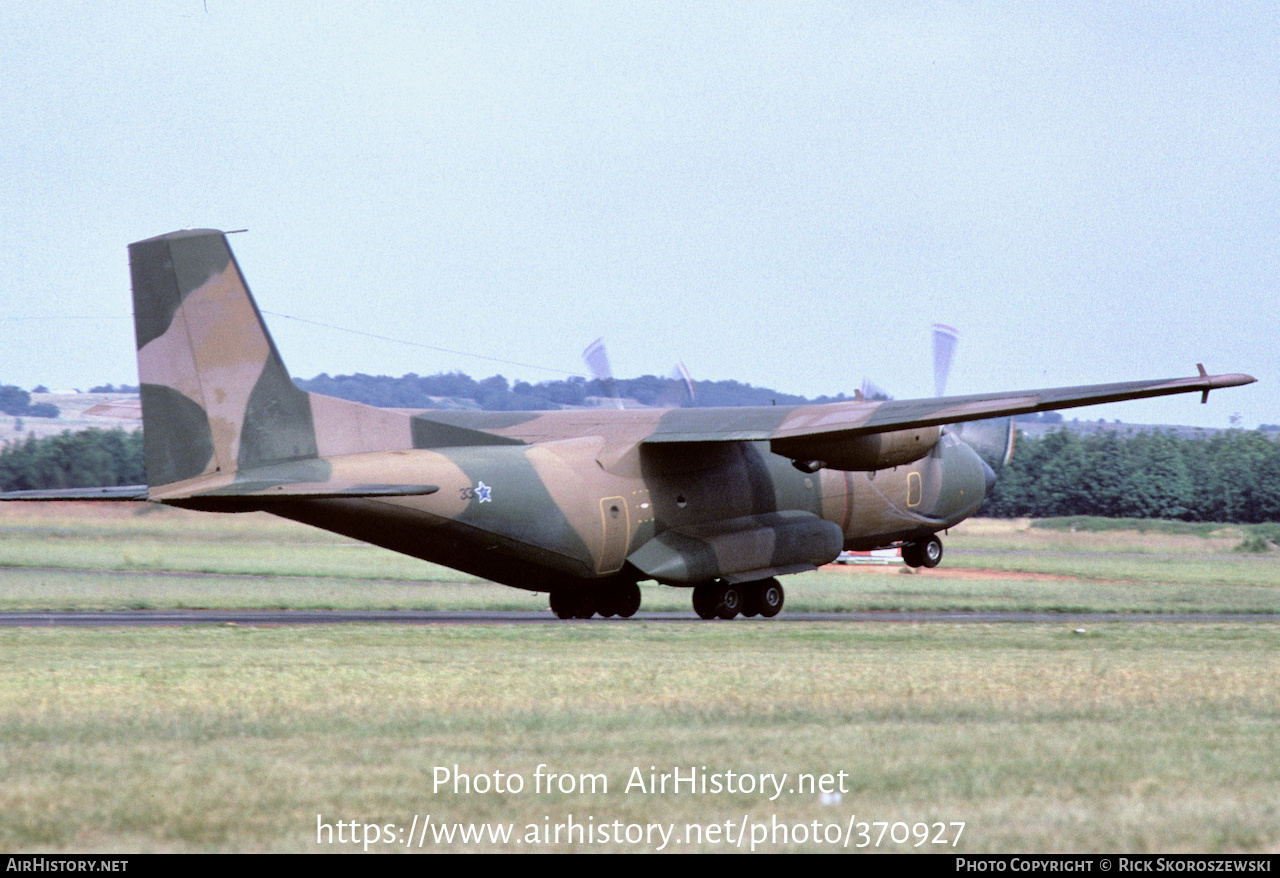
(457, 390)
(17, 402)
(53, 413)
(109, 407)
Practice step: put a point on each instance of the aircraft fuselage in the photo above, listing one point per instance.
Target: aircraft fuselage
(542, 516)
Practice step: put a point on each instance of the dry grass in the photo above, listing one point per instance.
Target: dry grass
(1102, 536)
(1129, 737)
(122, 552)
(140, 536)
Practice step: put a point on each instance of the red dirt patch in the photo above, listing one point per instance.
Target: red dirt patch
(948, 572)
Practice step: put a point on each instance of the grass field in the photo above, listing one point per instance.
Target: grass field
(120, 556)
(1122, 737)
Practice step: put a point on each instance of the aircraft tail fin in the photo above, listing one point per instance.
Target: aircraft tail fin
(216, 397)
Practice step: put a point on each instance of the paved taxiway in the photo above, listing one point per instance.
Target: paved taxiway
(97, 619)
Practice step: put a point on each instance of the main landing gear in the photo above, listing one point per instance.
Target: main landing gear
(724, 600)
(926, 553)
(620, 599)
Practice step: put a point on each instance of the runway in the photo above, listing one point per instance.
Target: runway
(275, 618)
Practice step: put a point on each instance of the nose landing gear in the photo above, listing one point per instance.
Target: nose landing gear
(926, 553)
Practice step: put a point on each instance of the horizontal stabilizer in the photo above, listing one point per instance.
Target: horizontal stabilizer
(317, 490)
(255, 489)
(350, 476)
(267, 489)
(118, 492)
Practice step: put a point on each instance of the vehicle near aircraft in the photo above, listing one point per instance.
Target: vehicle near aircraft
(581, 504)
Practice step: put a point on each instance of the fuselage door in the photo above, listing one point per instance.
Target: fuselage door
(914, 489)
(616, 520)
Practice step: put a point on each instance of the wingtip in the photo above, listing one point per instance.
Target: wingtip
(1213, 382)
(1235, 379)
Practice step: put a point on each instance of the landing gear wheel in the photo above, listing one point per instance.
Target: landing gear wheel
(923, 554)
(573, 603)
(770, 597)
(562, 603)
(912, 555)
(607, 602)
(586, 605)
(931, 551)
(730, 601)
(706, 600)
(626, 600)
(751, 599)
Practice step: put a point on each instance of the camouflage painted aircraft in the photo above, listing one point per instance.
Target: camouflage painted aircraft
(581, 504)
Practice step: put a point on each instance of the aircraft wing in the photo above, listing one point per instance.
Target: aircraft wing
(852, 419)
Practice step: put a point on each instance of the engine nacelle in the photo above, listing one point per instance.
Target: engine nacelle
(864, 453)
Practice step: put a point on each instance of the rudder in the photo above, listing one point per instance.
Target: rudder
(216, 396)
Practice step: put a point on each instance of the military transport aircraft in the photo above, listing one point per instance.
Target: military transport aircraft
(581, 504)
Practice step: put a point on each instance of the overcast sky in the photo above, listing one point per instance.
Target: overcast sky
(787, 194)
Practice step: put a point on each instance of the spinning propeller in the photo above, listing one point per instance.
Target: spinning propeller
(993, 439)
(679, 393)
(597, 360)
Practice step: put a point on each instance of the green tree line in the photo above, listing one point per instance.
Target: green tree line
(496, 393)
(1232, 477)
(86, 459)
